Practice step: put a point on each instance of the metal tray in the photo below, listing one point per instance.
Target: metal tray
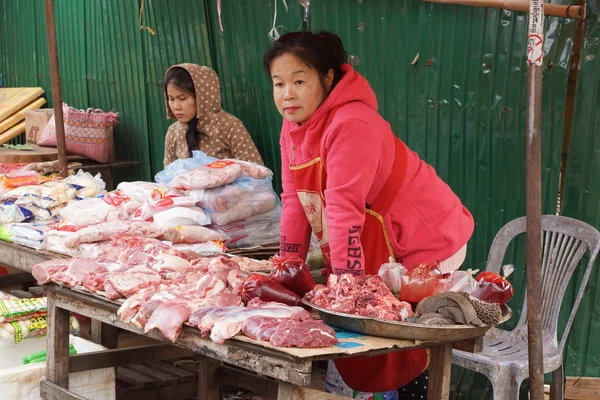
(403, 330)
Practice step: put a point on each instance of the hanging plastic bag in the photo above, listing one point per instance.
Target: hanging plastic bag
(267, 290)
(459, 281)
(493, 288)
(391, 273)
(420, 283)
(180, 166)
(292, 273)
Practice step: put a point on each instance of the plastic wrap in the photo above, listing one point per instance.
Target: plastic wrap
(259, 286)
(86, 185)
(92, 212)
(219, 173)
(152, 206)
(259, 230)
(145, 191)
(16, 331)
(494, 288)
(49, 195)
(192, 235)
(181, 166)
(420, 283)
(459, 281)
(11, 213)
(391, 274)
(292, 273)
(181, 216)
(22, 178)
(17, 309)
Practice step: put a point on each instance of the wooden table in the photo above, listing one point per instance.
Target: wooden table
(290, 368)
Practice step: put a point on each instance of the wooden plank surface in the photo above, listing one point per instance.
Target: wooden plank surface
(50, 391)
(13, 99)
(132, 355)
(37, 154)
(23, 258)
(181, 374)
(153, 373)
(135, 378)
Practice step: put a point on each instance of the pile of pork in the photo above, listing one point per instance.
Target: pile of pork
(164, 290)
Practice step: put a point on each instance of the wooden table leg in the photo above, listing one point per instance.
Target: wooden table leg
(57, 359)
(285, 391)
(440, 366)
(208, 383)
(105, 334)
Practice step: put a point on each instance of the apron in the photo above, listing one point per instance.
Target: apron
(377, 373)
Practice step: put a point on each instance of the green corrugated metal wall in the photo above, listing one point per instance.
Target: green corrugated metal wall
(461, 106)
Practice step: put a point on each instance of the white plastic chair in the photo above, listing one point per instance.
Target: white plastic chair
(504, 359)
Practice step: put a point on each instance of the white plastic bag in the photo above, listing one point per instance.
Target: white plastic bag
(181, 216)
(86, 185)
(459, 281)
(391, 273)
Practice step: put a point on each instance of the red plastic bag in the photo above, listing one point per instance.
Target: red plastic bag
(267, 290)
(494, 288)
(292, 273)
(420, 283)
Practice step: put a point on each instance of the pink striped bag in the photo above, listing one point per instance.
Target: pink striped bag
(87, 133)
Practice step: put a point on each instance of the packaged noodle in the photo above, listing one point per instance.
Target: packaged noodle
(16, 309)
(16, 331)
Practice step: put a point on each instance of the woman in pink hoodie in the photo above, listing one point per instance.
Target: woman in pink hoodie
(351, 181)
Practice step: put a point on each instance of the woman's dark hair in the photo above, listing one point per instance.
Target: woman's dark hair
(321, 50)
(182, 80)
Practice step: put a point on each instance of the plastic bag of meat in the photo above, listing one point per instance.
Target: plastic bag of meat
(92, 211)
(260, 203)
(192, 234)
(106, 230)
(152, 206)
(292, 273)
(459, 281)
(420, 283)
(219, 173)
(143, 191)
(180, 166)
(223, 198)
(391, 273)
(267, 290)
(260, 230)
(494, 288)
(181, 216)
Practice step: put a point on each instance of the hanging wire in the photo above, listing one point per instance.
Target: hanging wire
(274, 33)
(142, 27)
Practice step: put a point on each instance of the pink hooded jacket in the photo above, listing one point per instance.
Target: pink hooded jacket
(427, 221)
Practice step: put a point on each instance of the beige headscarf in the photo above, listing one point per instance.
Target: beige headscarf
(225, 135)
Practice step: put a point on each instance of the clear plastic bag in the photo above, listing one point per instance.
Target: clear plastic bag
(493, 288)
(219, 173)
(391, 273)
(180, 166)
(181, 216)
(459, 281)
(420, 283)
(260, 230)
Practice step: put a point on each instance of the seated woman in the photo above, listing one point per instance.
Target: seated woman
(193, 97)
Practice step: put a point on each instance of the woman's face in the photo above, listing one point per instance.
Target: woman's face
(297, 88)
(182, 104)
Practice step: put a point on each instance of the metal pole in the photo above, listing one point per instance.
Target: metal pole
(535, 53)
(306, 17)
(56, 91)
